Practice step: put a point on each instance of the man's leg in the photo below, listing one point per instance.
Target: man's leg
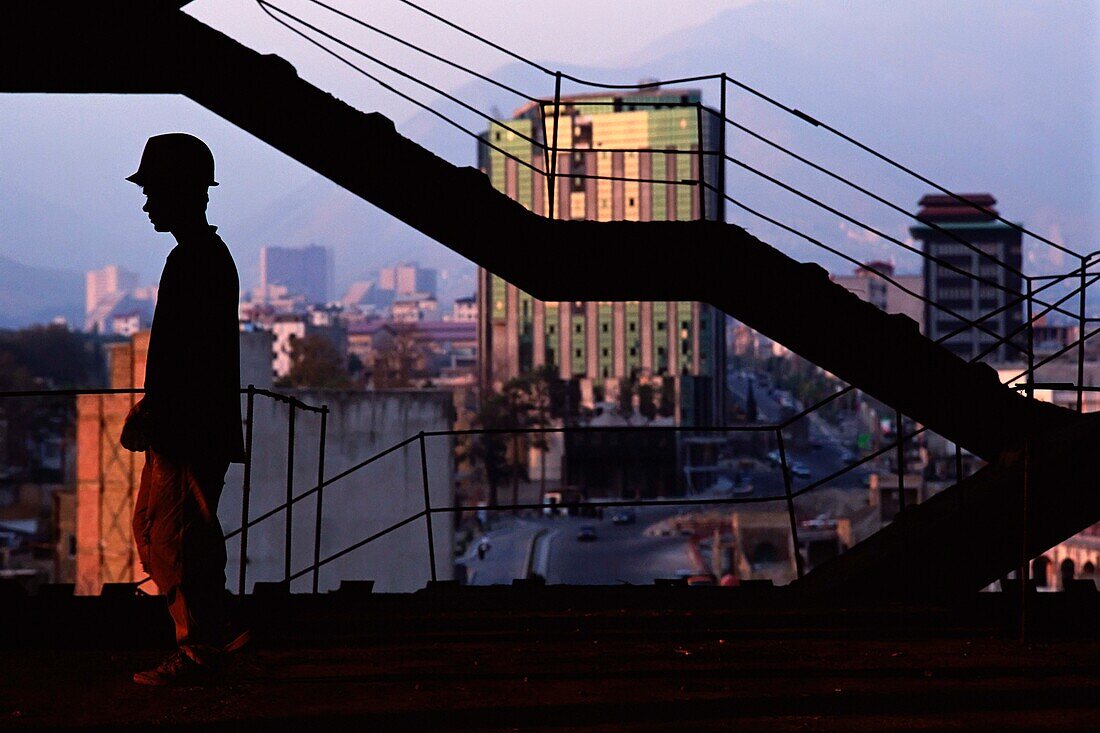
(140, 522)
(201, 594)
(186, 552)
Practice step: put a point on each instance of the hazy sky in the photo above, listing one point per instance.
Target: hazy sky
(1020, 121)
(586, 32)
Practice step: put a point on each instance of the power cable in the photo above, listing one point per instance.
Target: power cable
(908, 247)
(430, 54)
(268, 7)
(766, 98)
(832, 250)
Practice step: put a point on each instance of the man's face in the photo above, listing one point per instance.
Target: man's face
(168, 208)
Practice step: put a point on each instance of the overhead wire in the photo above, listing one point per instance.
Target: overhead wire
(726, 78)
(894, 240)
(267, 7)
(533, 141)
(424, 51)
(843, 255)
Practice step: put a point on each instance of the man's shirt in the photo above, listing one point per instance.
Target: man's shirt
(193, 373)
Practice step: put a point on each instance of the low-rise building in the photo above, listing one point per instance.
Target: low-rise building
(359, 425)
(898, 294)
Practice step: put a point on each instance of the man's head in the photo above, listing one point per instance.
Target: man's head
(175, 172)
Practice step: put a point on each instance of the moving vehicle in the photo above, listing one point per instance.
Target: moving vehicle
(623, 517)
(587, 533)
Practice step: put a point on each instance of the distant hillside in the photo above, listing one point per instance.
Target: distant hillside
(38, 294)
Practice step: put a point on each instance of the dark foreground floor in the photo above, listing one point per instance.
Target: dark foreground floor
(551, 666)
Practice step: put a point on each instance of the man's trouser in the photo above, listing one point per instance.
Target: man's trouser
(180, 543)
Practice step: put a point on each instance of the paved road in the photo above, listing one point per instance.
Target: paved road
(507, 554)
(821, 462)
(619, 554)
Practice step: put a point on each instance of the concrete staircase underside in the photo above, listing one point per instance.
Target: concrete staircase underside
(136, 46)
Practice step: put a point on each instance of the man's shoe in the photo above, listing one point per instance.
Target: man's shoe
(177, 669)
(238, 639)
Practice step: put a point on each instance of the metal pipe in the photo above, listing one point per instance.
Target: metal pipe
(289, 494)
(701, 161)
(101, 429)
(246, 487)
(790, 502)
(958, 463)
(1081, 342)
(320, 498)
(1023, 574)
(427, 505)
(552, 182)
(720, 202)
(901, 462)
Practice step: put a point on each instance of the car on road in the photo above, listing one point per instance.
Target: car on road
(797, 469)
(623, 517)
(586, 534)
(773, 457)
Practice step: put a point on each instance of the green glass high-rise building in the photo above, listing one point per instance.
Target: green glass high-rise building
(651, 139)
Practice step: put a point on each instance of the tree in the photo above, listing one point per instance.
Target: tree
(490, 450)
(533, 398)
(398, 363)
(668, 397)
(751, 410)
(647, 404)
(316, 363)
(626, 398)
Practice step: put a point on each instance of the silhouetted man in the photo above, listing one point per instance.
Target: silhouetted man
(189, 422)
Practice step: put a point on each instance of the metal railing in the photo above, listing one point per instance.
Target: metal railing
(1082, 278)
(251, 392)
(790, 493)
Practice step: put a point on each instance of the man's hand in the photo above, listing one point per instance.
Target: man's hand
(136, 430)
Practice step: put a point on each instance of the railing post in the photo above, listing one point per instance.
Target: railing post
(515, 471)
(246, 487)
(958, 463)
(1030, 341)
(790, 500)
(1081, 340)
(552, 182)
(702, 163)
(101, 428)
(320, 498)
(1024, 574)
(900, 461)
(719, 200)
(289, 493)
(546, 159)
(427, 504)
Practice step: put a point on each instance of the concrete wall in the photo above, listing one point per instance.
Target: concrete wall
(360, 425)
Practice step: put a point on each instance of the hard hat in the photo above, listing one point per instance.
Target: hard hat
(175, 159)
